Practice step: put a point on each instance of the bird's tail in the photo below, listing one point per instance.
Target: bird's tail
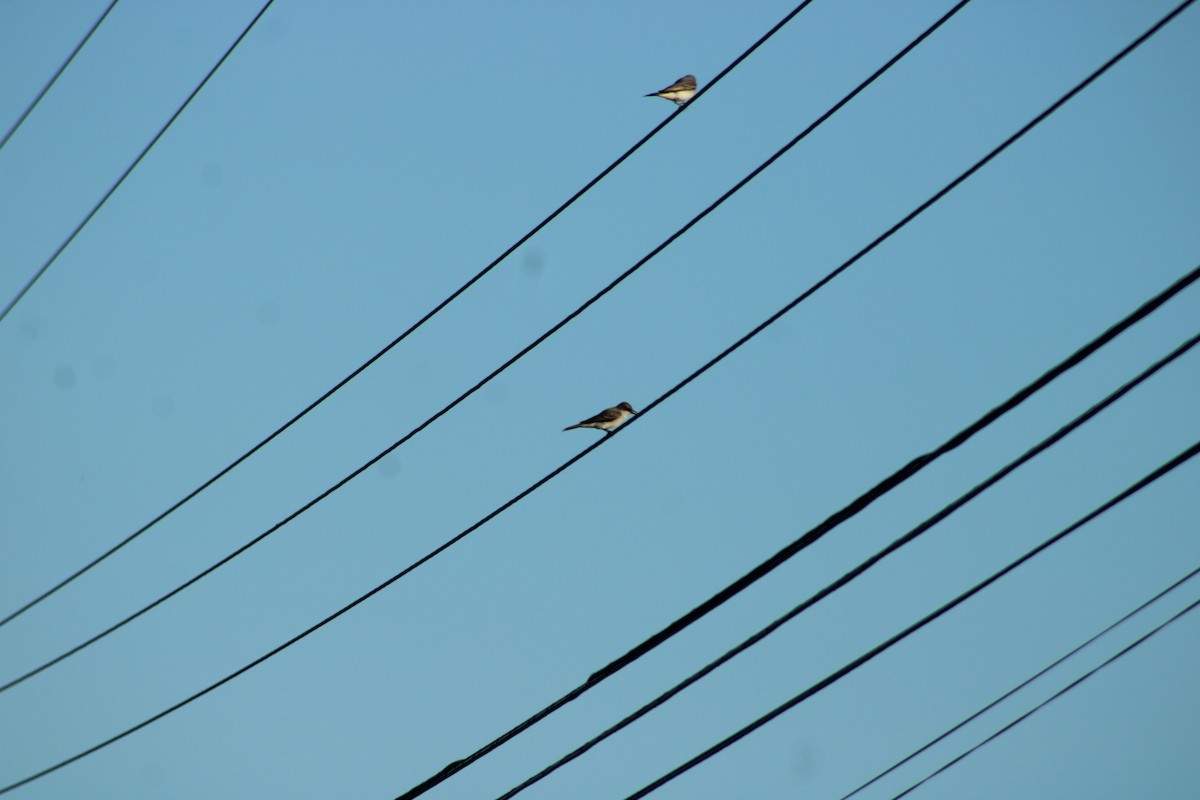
(572, 427)
(652, 94)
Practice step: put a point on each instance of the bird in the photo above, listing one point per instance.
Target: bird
(680, 91)
(607, 420)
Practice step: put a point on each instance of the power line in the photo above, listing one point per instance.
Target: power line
(42, 270)
(411, 329)
(769, 629)
(53, 79)
(916, 626)
(1134, 645)
(849, 511)
(480, 384)
(871, 495)
(1060, 660)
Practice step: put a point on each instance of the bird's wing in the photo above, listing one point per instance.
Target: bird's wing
(607, 415)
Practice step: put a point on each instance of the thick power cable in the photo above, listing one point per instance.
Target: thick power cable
(862, 502)
(42, 270)
(775, 625)
(1132, 646)
(741, 733)
(412, 328)
(480, 384)
(54, 78)
(1043, 671)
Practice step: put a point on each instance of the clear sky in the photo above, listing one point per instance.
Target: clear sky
(351, 164)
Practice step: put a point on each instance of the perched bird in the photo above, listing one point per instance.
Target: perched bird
(680, 91)
(607, 420)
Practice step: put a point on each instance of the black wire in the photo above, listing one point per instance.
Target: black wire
(1137, 643)
(903, 474)
(1060, 660)
(916, 626)
(412, 328)
(62, 68)
(480, 384)
(42, 270)
(763, 633)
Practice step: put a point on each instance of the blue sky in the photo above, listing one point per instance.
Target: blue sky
(349, 167)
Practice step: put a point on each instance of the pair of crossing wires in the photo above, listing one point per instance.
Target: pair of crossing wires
(861, 253)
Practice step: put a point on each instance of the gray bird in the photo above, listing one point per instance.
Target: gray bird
(607, 420)
(680, 91)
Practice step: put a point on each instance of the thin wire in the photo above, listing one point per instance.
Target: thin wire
(1057, 662)
(42, 270)
(1140, 641)
(62, 68)
(766, 631)
(916, 626)
(412, 328)
(480, 384)
(912, 468)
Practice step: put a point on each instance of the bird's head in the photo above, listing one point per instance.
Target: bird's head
(626, 407)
